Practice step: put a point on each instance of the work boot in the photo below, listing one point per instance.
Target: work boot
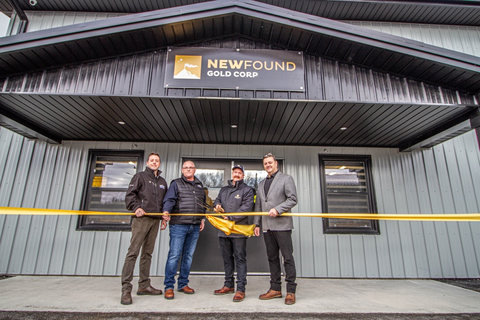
(126, 298)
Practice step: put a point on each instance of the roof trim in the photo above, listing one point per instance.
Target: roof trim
(56, 36)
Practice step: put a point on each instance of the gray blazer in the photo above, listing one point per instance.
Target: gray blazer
(282, 196)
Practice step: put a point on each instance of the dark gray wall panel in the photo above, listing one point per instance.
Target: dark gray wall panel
(143, 75)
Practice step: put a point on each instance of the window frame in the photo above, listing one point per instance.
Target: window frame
(93, 154)
(372, 203)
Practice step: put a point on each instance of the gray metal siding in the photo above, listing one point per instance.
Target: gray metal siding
(444, 179)
(464, 39)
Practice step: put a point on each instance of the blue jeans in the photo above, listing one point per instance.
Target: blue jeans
(183, 241)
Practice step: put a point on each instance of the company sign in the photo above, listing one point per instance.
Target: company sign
(235, 69)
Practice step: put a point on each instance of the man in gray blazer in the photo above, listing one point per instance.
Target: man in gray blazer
(277, 194)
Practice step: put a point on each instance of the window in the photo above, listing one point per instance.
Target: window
(108, 177)
(347, 187)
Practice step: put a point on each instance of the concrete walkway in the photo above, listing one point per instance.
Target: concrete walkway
(61, 297)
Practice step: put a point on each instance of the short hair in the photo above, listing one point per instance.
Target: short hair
(154, 154)
(270, 155)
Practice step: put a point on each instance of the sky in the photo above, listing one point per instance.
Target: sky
(4, 20)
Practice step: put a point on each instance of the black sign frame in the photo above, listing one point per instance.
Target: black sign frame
(240, 69)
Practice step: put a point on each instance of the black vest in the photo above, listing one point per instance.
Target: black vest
(191, 196)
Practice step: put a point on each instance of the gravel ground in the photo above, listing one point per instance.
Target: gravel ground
(471, 284)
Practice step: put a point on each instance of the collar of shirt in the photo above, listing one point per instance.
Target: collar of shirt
(273, 175)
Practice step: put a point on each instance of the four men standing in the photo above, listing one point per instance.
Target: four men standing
(148, 193)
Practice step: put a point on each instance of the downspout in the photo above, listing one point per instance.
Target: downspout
(22, 27)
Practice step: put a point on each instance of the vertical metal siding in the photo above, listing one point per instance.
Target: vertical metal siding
(143, 75)
(41, 20)
(444, 179)
(464, 39)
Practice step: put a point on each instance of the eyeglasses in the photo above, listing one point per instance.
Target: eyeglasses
(188, 168)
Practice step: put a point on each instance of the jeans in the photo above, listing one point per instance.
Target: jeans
(144, 234)
(275, 241)
(183, 241)
(234, 253)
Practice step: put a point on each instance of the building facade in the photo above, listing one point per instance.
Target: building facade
(382, 119)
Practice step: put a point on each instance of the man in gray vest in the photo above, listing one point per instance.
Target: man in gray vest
(185, 195)
(276, 195)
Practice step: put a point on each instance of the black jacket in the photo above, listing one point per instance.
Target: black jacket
(185, 197)
(147, 192)
(235, 198)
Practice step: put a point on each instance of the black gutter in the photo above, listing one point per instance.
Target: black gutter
(22, 27)
(471, 115)
(429, 2)
(25, 128)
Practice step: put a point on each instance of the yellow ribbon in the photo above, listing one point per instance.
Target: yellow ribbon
(364, 216)
(229, 226)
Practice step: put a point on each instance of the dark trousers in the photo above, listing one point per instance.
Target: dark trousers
(275, 241)
(144, 234)
(234, 253)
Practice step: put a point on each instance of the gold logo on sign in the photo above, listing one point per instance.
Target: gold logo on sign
(187, 67)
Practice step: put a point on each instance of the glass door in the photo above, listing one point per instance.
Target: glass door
(215, 174)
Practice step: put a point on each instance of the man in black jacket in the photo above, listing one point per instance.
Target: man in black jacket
(235, 197)
(186, 195)
(144, 195)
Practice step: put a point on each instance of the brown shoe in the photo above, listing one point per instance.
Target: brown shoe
(149, 291)
(187, 290)
(224, 290)
(271, 294)
(169, 294)
(290, 298)
(239, 296)
(126, 298)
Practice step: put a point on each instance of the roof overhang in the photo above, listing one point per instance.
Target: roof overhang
(227, 120)
(216, 19)
(389, 125)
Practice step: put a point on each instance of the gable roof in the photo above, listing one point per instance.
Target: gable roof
(453, 12)
(210, 20)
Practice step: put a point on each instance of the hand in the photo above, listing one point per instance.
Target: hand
(202, 225)
(256, 231)
(166, 216)
(218, 208)
(139, 212)
(164, 225)
(273, 212)
(225, 217)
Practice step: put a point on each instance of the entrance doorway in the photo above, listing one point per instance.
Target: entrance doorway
(214, 174)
